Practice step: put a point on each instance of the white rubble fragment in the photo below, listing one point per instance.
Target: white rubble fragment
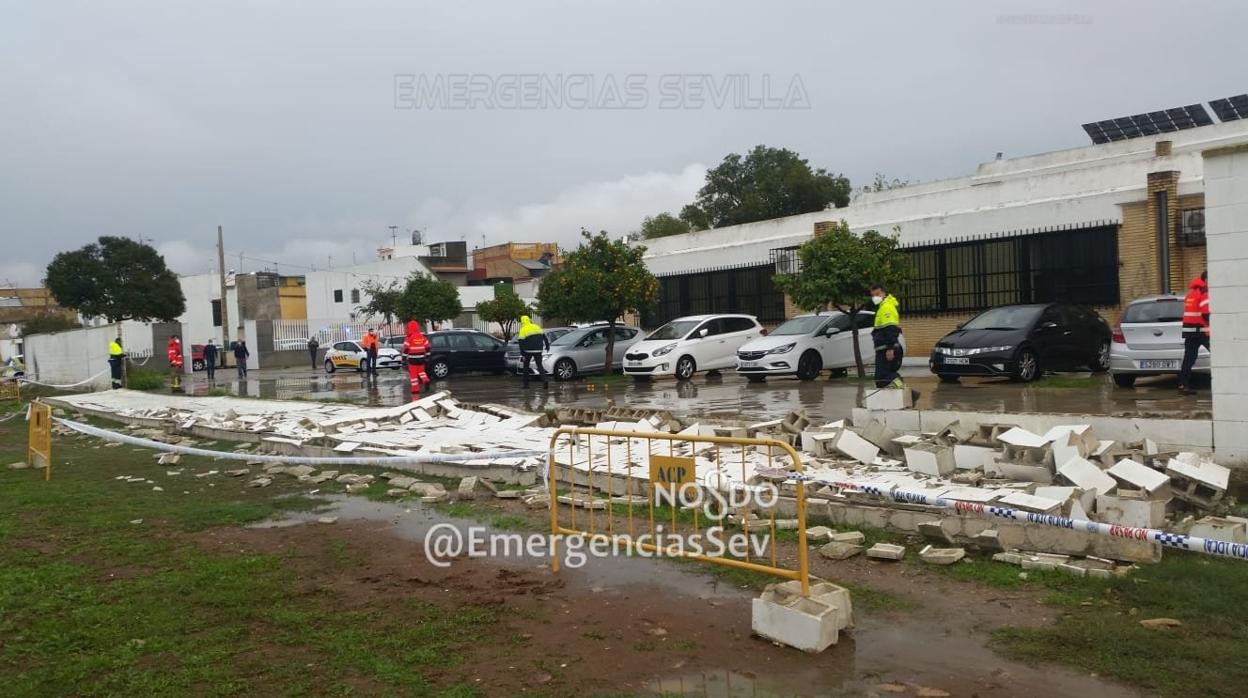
(1139, 476)
(1084, 474)
(886, 551)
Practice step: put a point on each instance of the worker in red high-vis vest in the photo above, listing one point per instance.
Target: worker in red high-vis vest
(416, 352)
(174, 351)
(1195, 327)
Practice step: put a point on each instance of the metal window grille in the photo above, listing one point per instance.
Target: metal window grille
(1192, 227)
(746, 289)
(1077, 264)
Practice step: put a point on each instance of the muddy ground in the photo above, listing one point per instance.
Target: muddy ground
(623, 626)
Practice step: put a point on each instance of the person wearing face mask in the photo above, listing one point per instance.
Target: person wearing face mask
(886, 336)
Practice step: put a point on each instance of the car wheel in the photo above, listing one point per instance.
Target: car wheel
(809, 366)
(1124, 380)
(755, 378)
(565, 369)
(440, 369)
(685, 368)
(1100, 362)
(197, 365)
(948, 378)
(329, 366)
(1027, 368)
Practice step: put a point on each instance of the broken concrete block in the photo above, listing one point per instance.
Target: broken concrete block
(1160, 623)
(1139, 476)
(888, 399)
(428, 489)
(1084, 474)
(396, 492)
(326, 520)
(1073, 570)
(879, 433)
(968, 457)
(856, 447)
(357, 487)
(1030, 502)
(987, 539)
(18, 465)
(299, 470)
(855, 537)
(1018, 436)
(795, 422)
(467, 488)
(930, 459)
(169, 459)
(1197, 481)
(402, 481)
(1010, 558)
(941, 556)
(809, 623)
(886, 551)
(818, 534)
(1128, 508)
(816, 441)
(836, 550)
(1219, 528)
(260, 482)
(1043, 561)
(241, 472)
(1042, 474)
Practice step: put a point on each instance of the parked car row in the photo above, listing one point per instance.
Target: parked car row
(1016, 341)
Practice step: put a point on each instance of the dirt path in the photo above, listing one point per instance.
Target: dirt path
(636, 626)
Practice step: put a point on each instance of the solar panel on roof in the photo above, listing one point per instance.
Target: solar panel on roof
(1231, 108)
(1153, 123)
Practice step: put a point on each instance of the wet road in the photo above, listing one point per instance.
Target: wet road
(732, 396)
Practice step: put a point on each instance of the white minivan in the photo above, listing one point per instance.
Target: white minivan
(687, 345)
(806, 345)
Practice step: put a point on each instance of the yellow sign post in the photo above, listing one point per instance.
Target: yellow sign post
(671, 472)
(39, 444)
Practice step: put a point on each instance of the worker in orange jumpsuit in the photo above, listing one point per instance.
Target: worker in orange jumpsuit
(369, 342)
(174, 350)
(416, 352)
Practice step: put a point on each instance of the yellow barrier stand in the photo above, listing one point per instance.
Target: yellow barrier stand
(11, 389)
(670, 471)
(39, 443)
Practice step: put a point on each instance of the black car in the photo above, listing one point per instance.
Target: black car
(464, 350)
(1023, 341)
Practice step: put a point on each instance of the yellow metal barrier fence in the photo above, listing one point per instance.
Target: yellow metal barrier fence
(671, 477)
(39, 438)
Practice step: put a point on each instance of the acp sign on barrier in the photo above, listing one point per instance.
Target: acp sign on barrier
(39, 442)
(671, 473)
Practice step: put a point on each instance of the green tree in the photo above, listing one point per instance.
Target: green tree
(49, 322)
(662, 225)
(118, 279)
(505, 309)
(602, 279)
(838, 269)
(767, 183)
(426, 298)
(383, 299)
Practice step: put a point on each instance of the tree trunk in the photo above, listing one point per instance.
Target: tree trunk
(853, 328)
(606, 365)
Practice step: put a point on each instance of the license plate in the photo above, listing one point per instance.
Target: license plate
(1160, 363)
(749, 364)
(634, 363)
(957, 361)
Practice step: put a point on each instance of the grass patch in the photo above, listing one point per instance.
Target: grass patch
(139, 378)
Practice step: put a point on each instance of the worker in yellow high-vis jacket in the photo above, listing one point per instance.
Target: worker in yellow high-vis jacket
(886, 337)
(116, 361)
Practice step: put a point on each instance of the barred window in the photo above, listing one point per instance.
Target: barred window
(748, 290)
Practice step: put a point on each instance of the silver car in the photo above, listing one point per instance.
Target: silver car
(512, 357)
(584, 350)
(1149, 340)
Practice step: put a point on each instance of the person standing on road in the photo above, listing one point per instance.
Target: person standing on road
(210, 360)
(1195, 327)
(240, 357)
(416, 353)
(116, 361)
(174, 351)
(369, 342)
(533, 342)
(886, 337)
(313, 345)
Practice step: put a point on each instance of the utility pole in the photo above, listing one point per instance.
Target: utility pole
(225, 311)
(394, 236)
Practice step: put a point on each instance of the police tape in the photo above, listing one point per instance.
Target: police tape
(67, 385)
(1210, 546)
(383, 461)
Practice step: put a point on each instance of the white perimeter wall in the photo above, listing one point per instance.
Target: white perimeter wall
(1226, 229)
(320, 285)
(64, 358)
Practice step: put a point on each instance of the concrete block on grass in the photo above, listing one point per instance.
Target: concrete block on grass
(809, 623)
(839, 551)
(1219, 528)
(855, 537)
(1127, 508)
(886, 551)
(941, 556)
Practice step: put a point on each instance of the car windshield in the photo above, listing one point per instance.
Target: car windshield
(676, 329)
(1164, 310)
(801, 325)
(1010, 317)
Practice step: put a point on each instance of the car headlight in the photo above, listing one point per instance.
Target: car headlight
(665, 350)
(994, 350)
(784, 349)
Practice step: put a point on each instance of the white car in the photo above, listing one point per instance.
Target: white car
(806, 345)
(687, 345)
(1149, 341)
(350, 354)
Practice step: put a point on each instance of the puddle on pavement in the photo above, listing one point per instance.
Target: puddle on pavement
(881, 648)
(729, 395)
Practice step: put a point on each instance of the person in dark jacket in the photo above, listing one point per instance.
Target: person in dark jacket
(240, 357)
(533, 342)
(210, 360)
(313, 345)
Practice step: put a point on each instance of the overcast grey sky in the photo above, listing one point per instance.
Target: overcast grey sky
(278, 119)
